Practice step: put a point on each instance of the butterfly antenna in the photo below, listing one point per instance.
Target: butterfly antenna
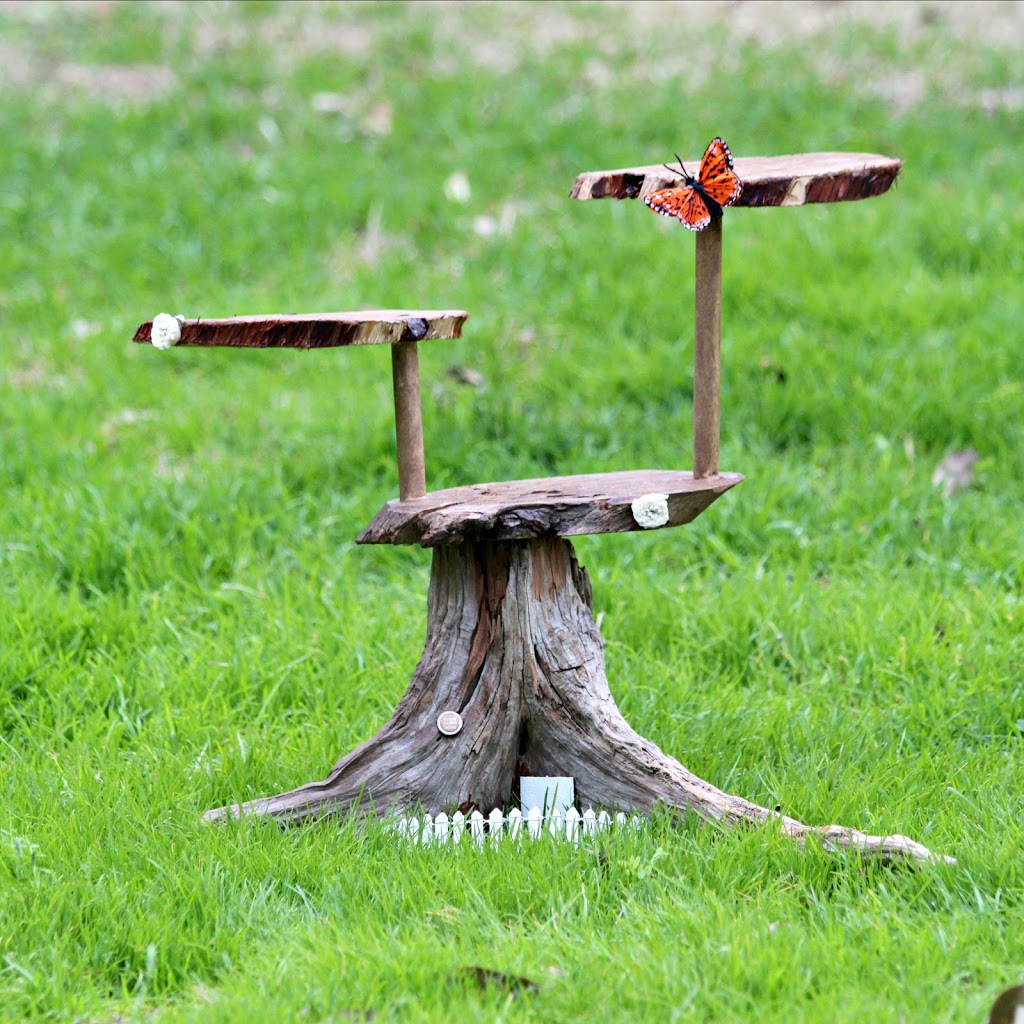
(686, 174)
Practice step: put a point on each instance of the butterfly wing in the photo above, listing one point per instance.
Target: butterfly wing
(716, 176)
(684, 203)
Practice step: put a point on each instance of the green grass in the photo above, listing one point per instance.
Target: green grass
(185, 619)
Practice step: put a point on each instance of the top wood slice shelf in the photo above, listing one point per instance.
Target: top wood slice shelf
(318, 330)
(562, 506)
(767, 180)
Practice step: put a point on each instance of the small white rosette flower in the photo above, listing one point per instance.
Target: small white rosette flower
(166, 330)
(650, 510)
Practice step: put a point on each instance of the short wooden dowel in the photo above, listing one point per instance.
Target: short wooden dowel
(707, 351)
(405, 372)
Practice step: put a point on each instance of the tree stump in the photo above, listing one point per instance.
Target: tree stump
(512, 646)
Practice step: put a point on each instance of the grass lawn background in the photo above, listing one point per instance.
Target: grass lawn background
(185, 620)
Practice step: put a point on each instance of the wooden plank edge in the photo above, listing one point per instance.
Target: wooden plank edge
(794, 190)
(420, 521)
(276, 332)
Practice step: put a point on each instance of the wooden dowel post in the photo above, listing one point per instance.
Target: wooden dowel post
(707, 350)
(405, 373)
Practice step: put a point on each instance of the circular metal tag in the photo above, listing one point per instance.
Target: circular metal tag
(449, 723)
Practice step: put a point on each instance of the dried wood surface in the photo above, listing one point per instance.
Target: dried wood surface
(319, 330)
(405, 379)
(564, 506)
(767, 181)
(707, 350)
(512, 646)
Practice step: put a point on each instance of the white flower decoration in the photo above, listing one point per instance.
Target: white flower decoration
(650, 510)
(166, 330)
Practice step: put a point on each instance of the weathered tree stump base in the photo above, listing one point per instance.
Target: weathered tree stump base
(513, 647)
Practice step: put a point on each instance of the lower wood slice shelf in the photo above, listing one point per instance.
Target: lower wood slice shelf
(563, 506)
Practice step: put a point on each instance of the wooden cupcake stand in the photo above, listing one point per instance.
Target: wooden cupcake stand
(511, 646)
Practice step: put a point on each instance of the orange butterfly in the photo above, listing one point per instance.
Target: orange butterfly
(716, 186)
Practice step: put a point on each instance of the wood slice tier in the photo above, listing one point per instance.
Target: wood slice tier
(767, 180)
(318, 330)
(563, 506)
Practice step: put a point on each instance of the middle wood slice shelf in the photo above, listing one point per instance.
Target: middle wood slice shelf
(562, 506)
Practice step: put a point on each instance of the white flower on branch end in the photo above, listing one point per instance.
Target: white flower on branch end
(651, 510)
(166, 330)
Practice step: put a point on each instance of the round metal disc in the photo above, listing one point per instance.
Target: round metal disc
(449, 723)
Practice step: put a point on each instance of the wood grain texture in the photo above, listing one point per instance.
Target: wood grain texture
(767, 181)
(405, 378)
(707, 350)
(564, 506)
(512, 646)
(318, 330)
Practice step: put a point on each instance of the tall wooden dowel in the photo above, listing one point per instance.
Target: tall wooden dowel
(707, 350)
(405, 375)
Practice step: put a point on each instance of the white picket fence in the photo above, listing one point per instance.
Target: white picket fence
(497, 827)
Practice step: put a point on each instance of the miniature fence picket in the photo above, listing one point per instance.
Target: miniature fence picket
(497, 827)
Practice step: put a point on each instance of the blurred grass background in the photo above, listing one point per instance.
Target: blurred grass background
(186, 622)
